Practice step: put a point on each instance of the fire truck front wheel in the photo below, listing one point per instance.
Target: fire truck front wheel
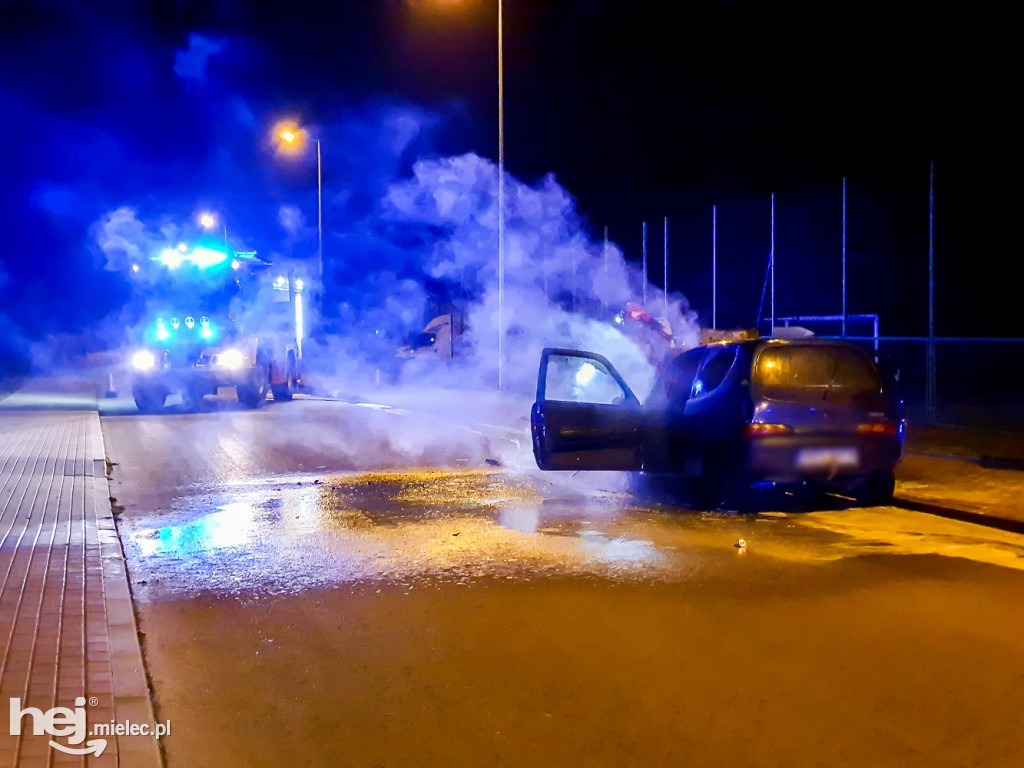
(148, 399)
(192, 398)
(254, 395)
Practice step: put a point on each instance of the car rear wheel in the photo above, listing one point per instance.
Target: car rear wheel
(721, 486)
(720, 492)
(876, 489)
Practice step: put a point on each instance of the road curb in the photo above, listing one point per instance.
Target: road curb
(962, 515)
(132, 694)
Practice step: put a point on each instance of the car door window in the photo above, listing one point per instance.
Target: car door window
(581, 380)
(717, 363)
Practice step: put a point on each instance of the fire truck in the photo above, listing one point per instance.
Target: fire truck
(210, 318)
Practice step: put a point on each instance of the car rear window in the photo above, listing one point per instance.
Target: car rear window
(818, 372)
(717, 363)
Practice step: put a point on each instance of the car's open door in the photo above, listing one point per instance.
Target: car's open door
(585, 416)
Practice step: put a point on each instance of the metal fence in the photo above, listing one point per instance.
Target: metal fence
(968, 380)
(971, 382)
(831, 253)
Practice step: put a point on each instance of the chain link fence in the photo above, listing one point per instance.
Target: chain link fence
(882, 254)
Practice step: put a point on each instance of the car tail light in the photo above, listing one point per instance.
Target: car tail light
(759, 429)
(878, 428)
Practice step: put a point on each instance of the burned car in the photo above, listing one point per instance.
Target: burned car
(726, 416)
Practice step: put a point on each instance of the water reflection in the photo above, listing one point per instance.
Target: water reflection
(525, 519)
(620, 550)
(232, 525)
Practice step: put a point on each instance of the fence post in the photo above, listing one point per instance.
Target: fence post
(930, 382)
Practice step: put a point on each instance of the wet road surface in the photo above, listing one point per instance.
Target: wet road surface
(313, 592)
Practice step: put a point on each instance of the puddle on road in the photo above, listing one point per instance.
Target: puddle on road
(428, 528)
(289, 534)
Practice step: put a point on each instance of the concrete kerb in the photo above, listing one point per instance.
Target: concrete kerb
(132, 699)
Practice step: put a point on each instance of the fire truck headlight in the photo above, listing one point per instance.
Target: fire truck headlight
(232, 359)
(144, 360)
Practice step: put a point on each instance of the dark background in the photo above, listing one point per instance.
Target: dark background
(641, 111)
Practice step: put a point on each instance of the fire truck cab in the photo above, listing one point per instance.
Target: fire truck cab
(212, 319)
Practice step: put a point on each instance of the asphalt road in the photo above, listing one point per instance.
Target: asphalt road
(325, 583)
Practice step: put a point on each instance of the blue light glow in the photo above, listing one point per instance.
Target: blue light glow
(201, 256)
(162, 334)
(171, 258)
(205, 258)
(206, 332)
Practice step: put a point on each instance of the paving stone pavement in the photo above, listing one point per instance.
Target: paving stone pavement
(67, 627)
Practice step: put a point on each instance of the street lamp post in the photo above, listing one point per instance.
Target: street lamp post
(292, 136)
(319, 218)
(501, 201)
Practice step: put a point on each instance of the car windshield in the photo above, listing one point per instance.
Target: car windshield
(819, 372)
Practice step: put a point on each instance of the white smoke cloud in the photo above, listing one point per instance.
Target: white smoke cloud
(292, 221)
(125, 240)
(439, 223)
(560, 288)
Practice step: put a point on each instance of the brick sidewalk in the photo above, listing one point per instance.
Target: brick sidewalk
(67, 628)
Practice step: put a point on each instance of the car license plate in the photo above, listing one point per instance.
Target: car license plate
(827, 458)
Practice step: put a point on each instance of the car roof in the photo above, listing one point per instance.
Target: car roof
(754, 344)
(772, 342)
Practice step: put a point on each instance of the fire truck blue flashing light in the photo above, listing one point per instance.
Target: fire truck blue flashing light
(207, 257)
(162, 334)
(206, 332)
(201, 256)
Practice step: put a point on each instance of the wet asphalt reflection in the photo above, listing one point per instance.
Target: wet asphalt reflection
(419, 529)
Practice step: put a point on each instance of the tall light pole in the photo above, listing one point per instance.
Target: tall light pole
(501, 200)
(292, 136)
(319, 218)
(501, 195)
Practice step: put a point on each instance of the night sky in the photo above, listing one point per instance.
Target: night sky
(167, 106)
